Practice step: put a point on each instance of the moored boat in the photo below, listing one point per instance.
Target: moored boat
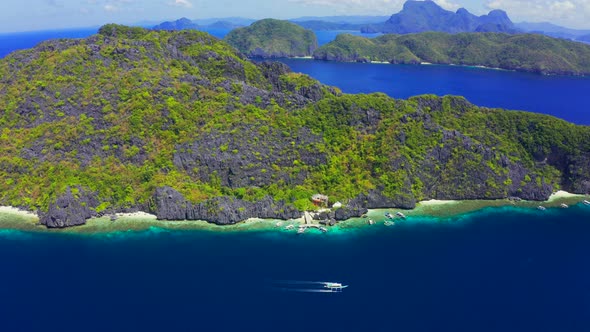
(563, 206)
(542, 208)
(586, 202)
(388, 215)
(401, 215)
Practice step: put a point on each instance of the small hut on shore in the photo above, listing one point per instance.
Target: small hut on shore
(320, 200)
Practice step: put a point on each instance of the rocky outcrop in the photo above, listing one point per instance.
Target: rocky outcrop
(256, 157)
(169, 204)
(72, 208)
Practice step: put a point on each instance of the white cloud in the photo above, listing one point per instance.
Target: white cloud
(570, 13)
(448, 5)
(181, 3)
(110, 8)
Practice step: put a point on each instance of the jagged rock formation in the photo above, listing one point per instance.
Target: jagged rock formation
(72, 208)
(169, 204)
(421, 16)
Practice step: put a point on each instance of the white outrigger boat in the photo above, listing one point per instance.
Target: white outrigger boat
(334, 286)
(586, 202)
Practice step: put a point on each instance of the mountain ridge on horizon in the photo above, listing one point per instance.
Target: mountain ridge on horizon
(422, 16)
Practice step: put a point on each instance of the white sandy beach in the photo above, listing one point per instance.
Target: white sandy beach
(562, 194)
(136, 215)
(435, 202)
(17, 211)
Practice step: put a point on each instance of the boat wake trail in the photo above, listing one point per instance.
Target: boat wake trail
(298, 282)
(304, 290)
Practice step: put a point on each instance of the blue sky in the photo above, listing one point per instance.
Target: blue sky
(29, 15)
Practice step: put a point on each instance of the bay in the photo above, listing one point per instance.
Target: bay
(562, 96)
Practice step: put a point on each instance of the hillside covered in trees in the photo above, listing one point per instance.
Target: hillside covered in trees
(522, 52)
(270, 38)
(182, 125)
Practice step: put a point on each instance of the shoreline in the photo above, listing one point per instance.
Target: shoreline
(12, 218)
(424, 63)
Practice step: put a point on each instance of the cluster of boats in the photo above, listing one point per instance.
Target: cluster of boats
(562, 205)
(390, 221)
(390, 218)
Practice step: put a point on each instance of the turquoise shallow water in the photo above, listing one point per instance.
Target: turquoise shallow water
(498, 269)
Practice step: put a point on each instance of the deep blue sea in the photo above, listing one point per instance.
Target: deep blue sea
(501, 269)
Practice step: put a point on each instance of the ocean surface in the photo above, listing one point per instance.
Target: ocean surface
(499, 269)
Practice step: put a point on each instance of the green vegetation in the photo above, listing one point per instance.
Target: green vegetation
(270, 38)
(523, 52)
(130, 110)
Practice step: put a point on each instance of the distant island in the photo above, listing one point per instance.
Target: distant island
(180, 24)
(553, 30)
(186, 24)
(323, 25)
(421, 16)
(270, 38)
(181, 125)
(522, 52)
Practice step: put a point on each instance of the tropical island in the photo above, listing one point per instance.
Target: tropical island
(522, 52)
(270, 38)
(534, 53)
(181, 125)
